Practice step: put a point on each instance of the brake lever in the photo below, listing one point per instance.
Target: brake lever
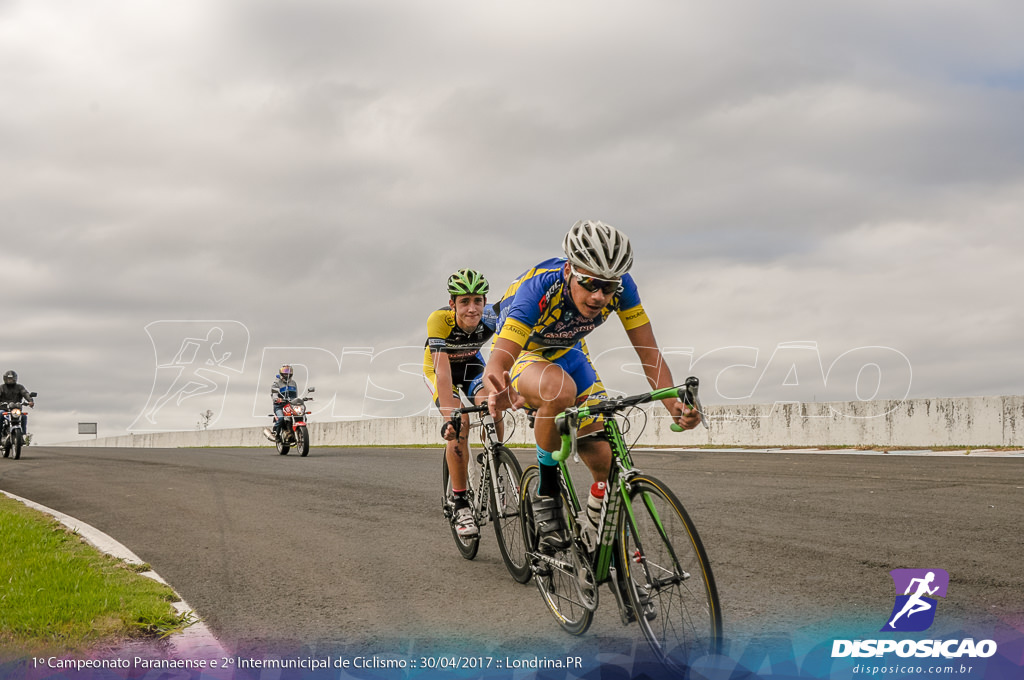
(455, 422)
(688, 393)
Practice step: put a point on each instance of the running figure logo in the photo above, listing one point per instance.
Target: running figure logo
(915, 608)
(195, 361)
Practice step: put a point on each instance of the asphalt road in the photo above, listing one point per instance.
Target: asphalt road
(347, 549)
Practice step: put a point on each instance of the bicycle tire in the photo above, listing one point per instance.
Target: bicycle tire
(468, 547)
(667, 575)
(505, 515)
(558, 585)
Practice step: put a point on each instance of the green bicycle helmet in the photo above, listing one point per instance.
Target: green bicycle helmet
(467, 282)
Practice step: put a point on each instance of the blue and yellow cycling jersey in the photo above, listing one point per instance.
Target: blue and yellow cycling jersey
(538, 313)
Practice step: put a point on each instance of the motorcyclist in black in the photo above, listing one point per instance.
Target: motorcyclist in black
(11, 391)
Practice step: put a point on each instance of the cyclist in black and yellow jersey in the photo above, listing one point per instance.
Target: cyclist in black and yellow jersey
(452, 360)
(539, 357)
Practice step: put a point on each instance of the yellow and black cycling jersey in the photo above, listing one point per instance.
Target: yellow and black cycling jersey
(538, 313)
(444, 335)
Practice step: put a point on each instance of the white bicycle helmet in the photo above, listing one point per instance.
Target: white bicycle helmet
(599, 248)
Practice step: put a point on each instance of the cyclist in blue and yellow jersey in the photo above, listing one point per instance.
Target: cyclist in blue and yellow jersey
(539, 358)
(452, 360)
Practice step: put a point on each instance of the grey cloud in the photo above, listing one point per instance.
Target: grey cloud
(314, 170)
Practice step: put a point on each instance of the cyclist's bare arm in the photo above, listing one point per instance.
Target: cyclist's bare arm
(659, 375)
(445, 398)
(496, 382)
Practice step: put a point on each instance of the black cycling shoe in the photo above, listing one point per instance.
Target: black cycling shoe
(547, 516)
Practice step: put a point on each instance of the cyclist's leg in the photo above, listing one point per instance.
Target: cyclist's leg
(457, 455)
(547, 388)
(457, 450)
(453, 453)
(594, 450)
(550, 390)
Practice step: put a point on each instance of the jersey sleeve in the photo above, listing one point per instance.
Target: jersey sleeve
(630, 310)
(522, 312)
(439, 326)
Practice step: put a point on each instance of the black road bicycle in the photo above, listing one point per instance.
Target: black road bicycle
(493, 492)
(646, 547)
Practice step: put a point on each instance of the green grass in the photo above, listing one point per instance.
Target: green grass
(59, 595)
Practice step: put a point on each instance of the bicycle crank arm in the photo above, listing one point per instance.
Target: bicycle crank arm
(620, 597)
(670, 581)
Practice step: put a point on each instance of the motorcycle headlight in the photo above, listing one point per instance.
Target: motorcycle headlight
(16, 413)
(299, 409)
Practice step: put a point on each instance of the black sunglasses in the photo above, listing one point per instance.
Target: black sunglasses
(593, 284)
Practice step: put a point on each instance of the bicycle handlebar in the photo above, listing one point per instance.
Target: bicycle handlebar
(456, 418)
(565, 421)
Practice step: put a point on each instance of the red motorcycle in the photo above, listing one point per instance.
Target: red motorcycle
(293, 432)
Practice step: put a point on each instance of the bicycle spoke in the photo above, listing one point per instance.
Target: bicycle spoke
(669, 579)
(505, 508)
(468, 547)
(559, 576)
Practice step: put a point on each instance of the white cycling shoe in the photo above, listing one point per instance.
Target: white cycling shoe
(465, 525)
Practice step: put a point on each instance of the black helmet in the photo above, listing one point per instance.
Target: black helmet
(10, 378)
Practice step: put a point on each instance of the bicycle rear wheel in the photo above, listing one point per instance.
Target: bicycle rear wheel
(564, 579)
(505, 514)
(468, 546)
(667, 575)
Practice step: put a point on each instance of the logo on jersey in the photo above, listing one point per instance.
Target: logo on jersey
(549, 294)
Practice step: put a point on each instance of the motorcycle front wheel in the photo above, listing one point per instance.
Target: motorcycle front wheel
(302, 440)
(19, 441)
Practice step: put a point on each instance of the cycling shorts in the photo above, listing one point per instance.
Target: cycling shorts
(467, 376)
(578, 366)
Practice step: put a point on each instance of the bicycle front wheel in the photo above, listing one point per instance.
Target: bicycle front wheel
(468, 546)
(667, 575)
(564, 578)
(505, 514)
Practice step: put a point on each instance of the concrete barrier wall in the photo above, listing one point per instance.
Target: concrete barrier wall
(958, 422)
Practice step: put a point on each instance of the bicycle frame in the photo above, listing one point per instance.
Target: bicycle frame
(640, 552)
(622, 471)
(495, 498)
(488, 472)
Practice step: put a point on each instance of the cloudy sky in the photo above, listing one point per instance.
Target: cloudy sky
(825, 199)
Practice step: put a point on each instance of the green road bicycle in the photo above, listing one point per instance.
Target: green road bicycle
(646, 547)
(493, 493)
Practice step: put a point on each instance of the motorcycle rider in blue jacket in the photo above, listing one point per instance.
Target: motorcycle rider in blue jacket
(282, 391)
